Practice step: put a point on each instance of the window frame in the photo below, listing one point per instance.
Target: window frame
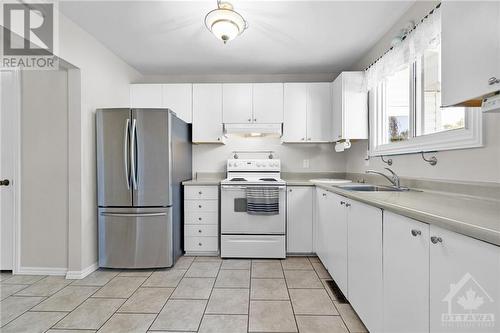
(470, 136)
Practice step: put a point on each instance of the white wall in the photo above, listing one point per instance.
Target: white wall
(322, 157)
(44, 170)
(478, 164)
(105, 80)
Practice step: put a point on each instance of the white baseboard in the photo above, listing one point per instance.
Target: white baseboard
(83, 273)
(41, 271)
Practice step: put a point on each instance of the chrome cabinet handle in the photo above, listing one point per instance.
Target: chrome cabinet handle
(199, 218)
(4, 182)
(199, 206)
(199, 230)
(435, 240)
(200, 192)
(342, 202)
(125, 151)
(133, 214)
(254, 119)
(199, 244)
(303, 139)
(416, 232)
(249, 120)
(324, 194)
(347, 204)
(493, 80)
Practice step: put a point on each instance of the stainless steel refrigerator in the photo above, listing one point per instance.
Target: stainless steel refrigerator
(143, 155)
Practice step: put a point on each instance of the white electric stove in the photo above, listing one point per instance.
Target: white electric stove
(245, 235)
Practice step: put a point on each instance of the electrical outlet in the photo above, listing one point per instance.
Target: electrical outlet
(305, 164)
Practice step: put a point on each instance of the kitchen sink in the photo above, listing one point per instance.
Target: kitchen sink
(372, 188)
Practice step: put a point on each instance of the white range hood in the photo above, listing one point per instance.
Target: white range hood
(253, 129)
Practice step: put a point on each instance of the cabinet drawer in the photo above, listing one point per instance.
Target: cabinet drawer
(201, 230)
(201, 244)
(201, 192)
(201, 218)
(192, 206)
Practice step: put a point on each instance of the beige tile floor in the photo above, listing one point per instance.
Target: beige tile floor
(199, 294)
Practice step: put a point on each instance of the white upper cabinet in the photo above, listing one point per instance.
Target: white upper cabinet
(179, 98)
(207, 113)
(350, 107)
(406, 274)
(307, 112)
(295, 116)
(146, 96)
(268, 103)
(237, 103)
(470, 43)
(464, 279)
(319, 112)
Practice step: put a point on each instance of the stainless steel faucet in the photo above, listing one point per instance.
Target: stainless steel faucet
(394, 179)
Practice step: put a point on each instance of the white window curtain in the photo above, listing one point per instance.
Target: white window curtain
(426, 34)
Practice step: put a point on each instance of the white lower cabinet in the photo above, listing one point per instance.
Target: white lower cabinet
(406, 274)
(299, 233)
(201, 220)
(323, 215)
(364, 262)
(464, 283)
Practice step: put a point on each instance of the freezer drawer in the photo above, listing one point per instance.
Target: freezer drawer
(135, 237)
(252, 246)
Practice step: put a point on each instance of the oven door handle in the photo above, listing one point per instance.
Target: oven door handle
(238, 187)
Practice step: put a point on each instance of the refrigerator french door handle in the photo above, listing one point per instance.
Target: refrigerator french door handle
(126, 145)
(134, 214)
(132, 154)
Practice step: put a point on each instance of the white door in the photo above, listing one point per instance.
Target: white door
(319, 112)
(365, 284)
(294, 116)
(337, 108)
(207, 113)
(464, 283)
(237, 103)
(299, 231)
(337, 244)
(406, 274)
(146, 96)
(470, 49)
(179, 98)
(268, 103)
(9, 126)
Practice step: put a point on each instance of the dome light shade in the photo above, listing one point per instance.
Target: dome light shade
(225, 23)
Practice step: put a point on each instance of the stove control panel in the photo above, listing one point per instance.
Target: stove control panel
(253, 165)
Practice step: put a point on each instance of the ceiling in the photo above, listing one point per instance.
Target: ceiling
(284, 37)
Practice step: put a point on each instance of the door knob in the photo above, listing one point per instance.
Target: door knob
(493, 80)
(4, 182)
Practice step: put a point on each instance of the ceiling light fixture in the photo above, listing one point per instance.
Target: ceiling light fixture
(224, 22)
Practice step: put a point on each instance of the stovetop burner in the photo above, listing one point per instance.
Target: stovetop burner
(238, 179)
(268, 179)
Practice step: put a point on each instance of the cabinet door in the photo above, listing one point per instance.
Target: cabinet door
(470, 49)
(464, 283)
(268, 103)
(146, 96)
(237, 103)
(207, 113)
(365, 284)
(337, 242)
(299, 219)
(294, 116)
(322, 217)
(406, 274)
(319, 112)
(337, 109)
(179, 98)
